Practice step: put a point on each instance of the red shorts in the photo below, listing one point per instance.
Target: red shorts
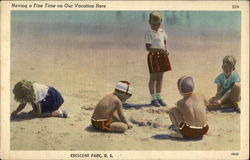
(158, 62)
(102, 125)
(191, 131)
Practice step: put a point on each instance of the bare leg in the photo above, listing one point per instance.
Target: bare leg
(44, 115)
(230, 98)
(223, 102)
(235, 92)
(159, 77)
(175, 118)
(152, 83)
(58, 113)
(115, 117)
(118, 127)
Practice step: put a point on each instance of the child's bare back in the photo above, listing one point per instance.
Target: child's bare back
(193, 109)
(189, 117)
(106, 107)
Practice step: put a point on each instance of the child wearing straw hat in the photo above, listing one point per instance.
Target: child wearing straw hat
(44, 100)
(228, 87)
(108, 114)
(158, 61)
(189, 117)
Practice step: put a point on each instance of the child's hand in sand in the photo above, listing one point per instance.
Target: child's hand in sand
(214, 101)
(13, 114)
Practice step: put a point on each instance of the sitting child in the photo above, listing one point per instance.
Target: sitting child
(189, 117)
(44, 100)
(228, 87)
(108, 114)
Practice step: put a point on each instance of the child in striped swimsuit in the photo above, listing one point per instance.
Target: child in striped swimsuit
(158, 61)
(44, 100)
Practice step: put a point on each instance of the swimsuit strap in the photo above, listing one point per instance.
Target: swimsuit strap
(182, 124)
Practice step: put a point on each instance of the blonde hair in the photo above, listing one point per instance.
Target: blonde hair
(230, 61)
(24, 92)
(155, 16)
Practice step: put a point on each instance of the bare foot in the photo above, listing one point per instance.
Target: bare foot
(59, 113)
(213, 106)
(175, 135)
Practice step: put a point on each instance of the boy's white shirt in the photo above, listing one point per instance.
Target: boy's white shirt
(41, 91)
(156, 38)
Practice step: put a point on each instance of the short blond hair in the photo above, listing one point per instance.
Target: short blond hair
(230, 61)
(155, 16)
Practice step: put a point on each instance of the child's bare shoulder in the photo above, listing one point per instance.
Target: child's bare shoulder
(112, 98)
(199, 95)
(180, 103)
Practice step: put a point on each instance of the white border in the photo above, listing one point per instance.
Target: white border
(127, 5)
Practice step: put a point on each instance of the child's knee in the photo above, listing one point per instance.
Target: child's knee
(173, 112)
(235, 93)
(236, 86)
(121, 127)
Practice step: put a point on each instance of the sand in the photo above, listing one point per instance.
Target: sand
(86, 68)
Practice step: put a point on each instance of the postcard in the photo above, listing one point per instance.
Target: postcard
(124, 80)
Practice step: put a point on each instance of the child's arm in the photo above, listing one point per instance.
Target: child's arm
(218, 93)
(217, 97)
(166, 50)
(19, 108)
(121, 114)
(39, 110)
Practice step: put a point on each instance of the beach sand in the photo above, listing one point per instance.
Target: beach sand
(86, 68)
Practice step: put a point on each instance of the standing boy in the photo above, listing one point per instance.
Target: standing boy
(158, 61)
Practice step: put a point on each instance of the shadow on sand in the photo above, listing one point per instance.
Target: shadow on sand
(21, 117)
(226, 110)
(168, 137)
(90, 128)
(136, 106)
